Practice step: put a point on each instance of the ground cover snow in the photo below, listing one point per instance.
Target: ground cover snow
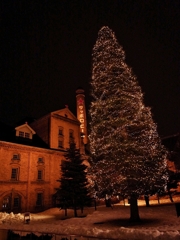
(159, 221)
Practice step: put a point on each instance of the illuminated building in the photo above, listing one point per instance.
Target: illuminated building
(30, 157)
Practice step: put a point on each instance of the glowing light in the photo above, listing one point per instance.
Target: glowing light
(127, 155)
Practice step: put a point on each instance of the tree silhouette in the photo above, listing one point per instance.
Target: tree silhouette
(73, 190)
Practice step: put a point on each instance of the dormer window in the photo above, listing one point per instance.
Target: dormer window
(21, 134)
(27, 135)
(24, 131)
(24, 134)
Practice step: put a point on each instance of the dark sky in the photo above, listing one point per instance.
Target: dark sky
(46, 51)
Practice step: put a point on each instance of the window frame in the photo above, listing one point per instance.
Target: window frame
(62, 143)
(40, 175)
(71, 134)
(61, 131)
(40, 160)
(16, 174)
(14, 202)
(21, 134)
(39, 199)
(27, 135)
(16, 156)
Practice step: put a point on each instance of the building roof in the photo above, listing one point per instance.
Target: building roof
(8, 134)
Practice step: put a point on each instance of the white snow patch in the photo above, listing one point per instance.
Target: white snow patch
(159, 222)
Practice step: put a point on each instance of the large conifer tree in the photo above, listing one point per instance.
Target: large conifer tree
(127, 155)
(73, 190)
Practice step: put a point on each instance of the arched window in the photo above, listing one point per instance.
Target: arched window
(11, 202)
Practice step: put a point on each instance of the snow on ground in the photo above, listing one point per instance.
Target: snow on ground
(159, 221)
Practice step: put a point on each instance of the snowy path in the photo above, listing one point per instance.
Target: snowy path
(158, 222)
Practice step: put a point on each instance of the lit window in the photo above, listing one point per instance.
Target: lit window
(14, 174)
(39, 199)
(6, 203)
(21, 134)
(27, 135)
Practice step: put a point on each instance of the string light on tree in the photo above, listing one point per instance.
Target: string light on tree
(127, 155)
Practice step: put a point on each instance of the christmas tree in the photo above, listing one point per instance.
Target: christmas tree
(73, 190)
(127, 155)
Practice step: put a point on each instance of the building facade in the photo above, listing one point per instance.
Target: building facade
(30, 157)
(28, 177)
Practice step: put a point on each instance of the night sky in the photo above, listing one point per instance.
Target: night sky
(46, 49)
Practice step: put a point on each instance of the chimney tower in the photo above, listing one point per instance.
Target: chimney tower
(81, 113)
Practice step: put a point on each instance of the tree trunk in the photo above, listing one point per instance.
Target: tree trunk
(75, 211)
(146, 198)
(158, 198)
(134, 211)
(124, 201)
(170, 196)
(95, 208)
(65, 211)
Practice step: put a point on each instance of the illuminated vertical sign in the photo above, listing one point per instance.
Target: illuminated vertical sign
(81, 113)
